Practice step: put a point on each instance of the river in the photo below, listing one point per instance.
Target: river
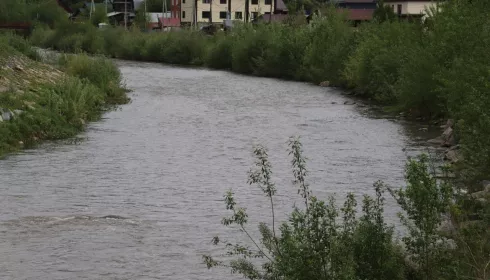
(162, 163)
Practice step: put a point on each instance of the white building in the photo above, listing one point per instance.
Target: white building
(411, 8)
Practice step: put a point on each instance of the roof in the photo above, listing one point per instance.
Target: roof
(170, 22)
(64, 6)
(358, 14)
(118, 13)
(154, 17)
(280, 6)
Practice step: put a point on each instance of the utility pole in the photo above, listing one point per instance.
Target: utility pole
(92, 7)
(211, 12)
(125, 14)
(270, 13)
(246, 10)
(194, 13)
(164, 10)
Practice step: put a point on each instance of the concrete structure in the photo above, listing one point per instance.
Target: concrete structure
(411, 8)
(242, 10)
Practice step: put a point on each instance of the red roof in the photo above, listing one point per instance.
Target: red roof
(64, 6)
(15, 25)
(358, 14)
(170, 22)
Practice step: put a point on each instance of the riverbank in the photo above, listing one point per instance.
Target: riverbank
(40, 101)
(428, 71)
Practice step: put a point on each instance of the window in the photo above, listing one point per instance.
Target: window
(222, 15)
(268, 2)
(399, 9)
(183, 14)
(255, 15)
(222, 1)
(206, 14)
(183, 1)
(238, 15)
(206, 1)
(255, 2)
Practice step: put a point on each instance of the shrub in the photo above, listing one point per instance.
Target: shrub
(284, 52)
(331, 41)
(319, 241)
(99, 71)
(219, 55)
(374, 66)
(185, 49)
(247, 49)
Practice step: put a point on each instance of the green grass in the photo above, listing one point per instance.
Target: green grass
(56, 110)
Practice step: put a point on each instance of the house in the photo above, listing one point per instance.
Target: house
(280, 7)
(124, 6)
(199, 11)
(169, 23)
(123, 12)
(175, 9)
(411, 8)
(157, 20)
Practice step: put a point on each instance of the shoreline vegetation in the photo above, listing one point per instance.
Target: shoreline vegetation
(40, 101)
(431, 71)
(438, 69)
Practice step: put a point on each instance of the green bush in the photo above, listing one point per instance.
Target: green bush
(249, 46)
(373, 69)
(99, 71)
(185, 49)
(283, 54)
(319, 240)
(220, 52)
(330, 44)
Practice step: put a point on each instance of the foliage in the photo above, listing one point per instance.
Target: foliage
(432, 70)
(60, 109)
(98, 15)
(44, 11)
(424, 200)
(320, 241)
(383, 12)
(154, 6)
(323, 63)
(98, 71)
(141, 20)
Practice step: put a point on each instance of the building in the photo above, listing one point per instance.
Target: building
(357, 10)
(175, 9)
(241, 10)
(123, 12)
(167, 20)
(411, 8)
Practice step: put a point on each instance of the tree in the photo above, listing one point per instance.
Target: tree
(154, 6)
(99, 15)
(383, 12)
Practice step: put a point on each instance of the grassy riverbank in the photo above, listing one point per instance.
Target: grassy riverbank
(42, 101)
